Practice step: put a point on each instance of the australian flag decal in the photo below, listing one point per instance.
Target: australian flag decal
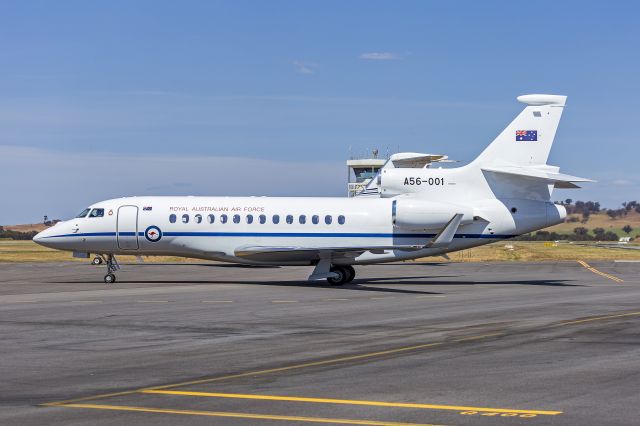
(526, 135)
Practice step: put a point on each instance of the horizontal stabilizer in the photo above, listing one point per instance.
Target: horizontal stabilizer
(546, 173)
(415, 160)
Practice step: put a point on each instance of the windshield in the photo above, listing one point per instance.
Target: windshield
(96, 213)
(84, 212)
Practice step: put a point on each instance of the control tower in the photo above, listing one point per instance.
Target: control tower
(361, 171)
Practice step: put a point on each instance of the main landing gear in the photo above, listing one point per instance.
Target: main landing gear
(112, 266)
(97, 260)
(344, 274)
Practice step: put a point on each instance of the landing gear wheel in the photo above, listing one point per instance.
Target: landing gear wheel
(351, 273)
(342, 276)
(112, 266)
(96, 260)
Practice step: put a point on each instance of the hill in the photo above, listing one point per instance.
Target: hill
(26, 227)
(600, 220)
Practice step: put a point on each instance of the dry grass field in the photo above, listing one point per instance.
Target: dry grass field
(28, 251)
(601, 220)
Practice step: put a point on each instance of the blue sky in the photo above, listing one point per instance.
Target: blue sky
(103, 99)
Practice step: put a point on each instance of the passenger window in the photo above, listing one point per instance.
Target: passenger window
(341, 220)
(236, 218)
(223, 218)
(211, 218)
(97, 213)
(315, 219)
(83, 213)
(327, 219)
(276, 218)
(198, 218)
(172, 218)
(302, 219)
(185, 218)
(249, 218)
(263, 219)
(289, 219)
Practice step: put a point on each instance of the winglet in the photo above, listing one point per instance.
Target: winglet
(445, 236)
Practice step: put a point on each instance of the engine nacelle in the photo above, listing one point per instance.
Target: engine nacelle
(417, 215)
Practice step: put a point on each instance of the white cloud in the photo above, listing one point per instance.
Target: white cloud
(305, 67)
(379, 56)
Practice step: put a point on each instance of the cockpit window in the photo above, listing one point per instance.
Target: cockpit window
(97, 213)
(83, 213)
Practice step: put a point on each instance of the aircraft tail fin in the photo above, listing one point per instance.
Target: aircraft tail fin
(527, 140)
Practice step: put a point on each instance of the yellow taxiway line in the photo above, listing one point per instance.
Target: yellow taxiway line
(605, 317)
(602, 274)
(351, 402)
(244, 415)
(370, 355)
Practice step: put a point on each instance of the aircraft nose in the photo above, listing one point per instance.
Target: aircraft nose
(41, 238)
(38, 237)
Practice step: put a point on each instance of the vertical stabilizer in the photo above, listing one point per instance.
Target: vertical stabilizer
(527, 140)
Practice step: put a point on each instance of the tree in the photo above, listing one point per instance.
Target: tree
(627, 229)
(598, 232)
(610, 236)
(568, 201)
(580, 230)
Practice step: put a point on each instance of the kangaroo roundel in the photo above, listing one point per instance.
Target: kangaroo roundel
(153, 234)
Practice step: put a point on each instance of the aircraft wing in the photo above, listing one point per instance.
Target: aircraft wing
(294, 253)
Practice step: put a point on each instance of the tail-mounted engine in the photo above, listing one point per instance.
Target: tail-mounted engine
(416, 215)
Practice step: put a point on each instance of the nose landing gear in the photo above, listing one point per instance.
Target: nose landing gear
(112, 266)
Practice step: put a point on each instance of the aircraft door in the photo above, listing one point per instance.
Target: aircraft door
(127, 228)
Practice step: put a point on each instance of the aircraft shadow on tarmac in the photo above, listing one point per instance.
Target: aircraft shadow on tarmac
(359, 284)
(421, 281)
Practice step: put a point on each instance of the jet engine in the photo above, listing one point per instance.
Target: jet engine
(417, 215)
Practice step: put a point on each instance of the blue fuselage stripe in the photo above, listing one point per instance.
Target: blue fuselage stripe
(283, 234)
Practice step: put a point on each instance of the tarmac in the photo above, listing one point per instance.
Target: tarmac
(409, 343)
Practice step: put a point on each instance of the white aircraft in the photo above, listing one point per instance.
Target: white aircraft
(416, 212)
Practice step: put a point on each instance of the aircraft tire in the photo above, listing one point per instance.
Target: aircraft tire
(341, 278)
(109, 279)
(96, 261)
(351, 273)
